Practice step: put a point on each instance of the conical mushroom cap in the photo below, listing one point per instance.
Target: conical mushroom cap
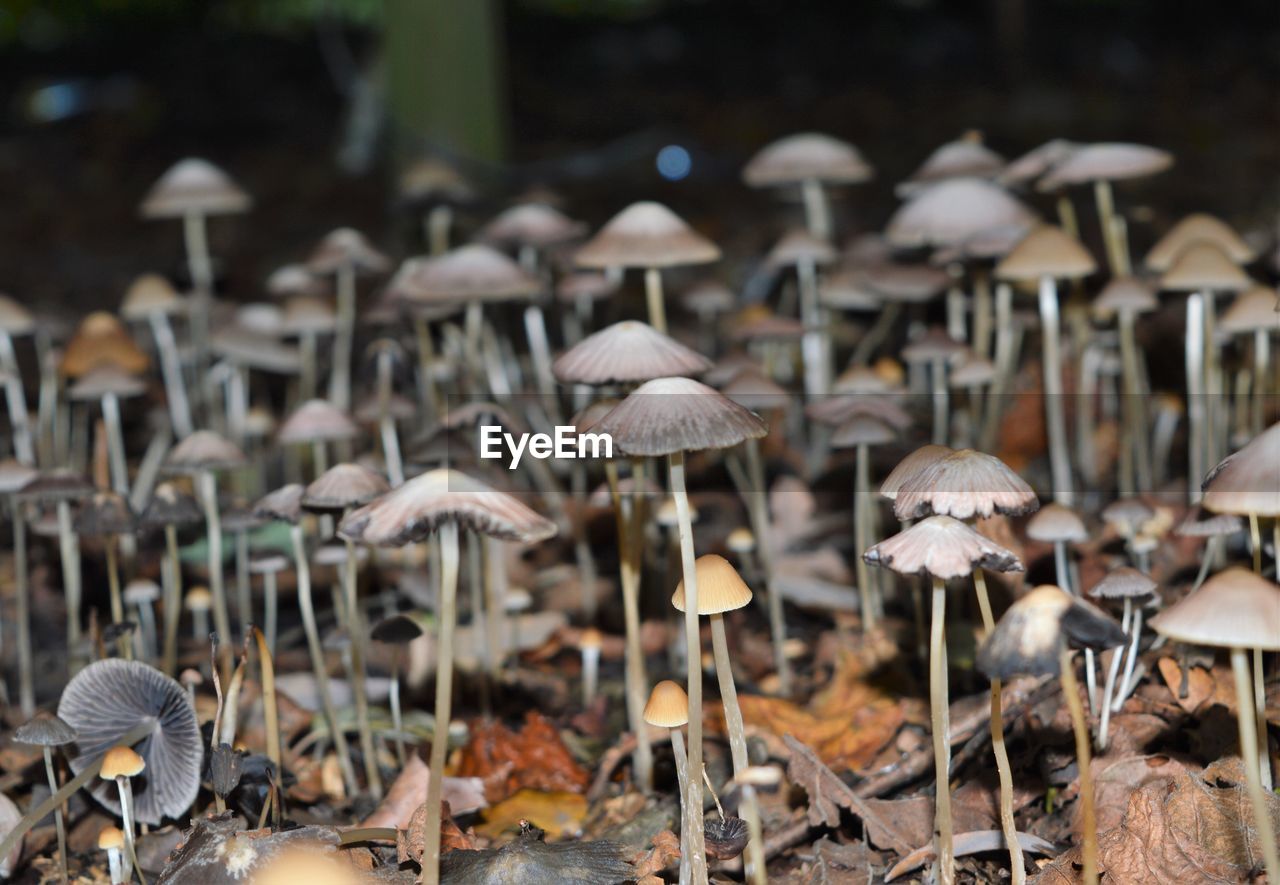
(343, 486)
(862, 430)
(194, 185)
(531, 224)
(102, 340)
(1055, 523)
(1255, 308)
(464, 274)
(204, 450)
(344, 247)
(148, 294)
(45, 730)
(629, 352)
(283, 505)
(169, 505)
(316, 419)
(910, 466)
(1027, 640)
(720, 587)
(646, 235)
(14, 318)
(1198, 227)
(1204, 266)
(941, 547)
(1106, 161)
(965, 484)
(800, 245)
(669, 415)
(668, 705)
(1047, 251)
(416, 509)
(1123, 583)
(121, 761)
(806, 156)
(1234, 609)
(966, 157)
(108, 698)
(1124, 294)
(753, 389)
(954, 212)
(1247, 481)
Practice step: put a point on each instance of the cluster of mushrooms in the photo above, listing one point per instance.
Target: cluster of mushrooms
(200, 463)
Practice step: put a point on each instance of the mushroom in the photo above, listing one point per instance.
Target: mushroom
(107, 515)
(152, 298)
(1032, 639)
(1200, 523)
(590, 641)
(171, 508)
(268, 566)
(47, 731)
(862, 432)
(307, 317)
(61, 488)
(14, 475)
(964, 157)
(1238, 610)
(807, 253)
(16, 320)
(109, 385)
(142, 594)
(397, 631)
(199, 601)
(386, 355)
(938, 350)
(1126, 298)
(671, 416)
(1254, 313)
(119, 764)
(811, 161)
(1247, 483)
(338, 490)
(1059, 525)
(1127, 584)
(441, 502)
(435, 188)
(316, 423)
(668, 707)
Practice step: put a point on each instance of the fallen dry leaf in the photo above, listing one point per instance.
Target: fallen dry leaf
(665, 851)
(534, 758)
(1115, 779)
(1199, 684)
(557, 813)
(464, 795)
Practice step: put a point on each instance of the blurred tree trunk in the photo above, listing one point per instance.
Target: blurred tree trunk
(445, 76)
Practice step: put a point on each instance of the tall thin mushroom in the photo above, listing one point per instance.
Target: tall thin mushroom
(47, 731)
(13, 476)
(171, 509)
(811, 161)
(152, 299)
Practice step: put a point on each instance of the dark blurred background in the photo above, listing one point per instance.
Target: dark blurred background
(312, 105)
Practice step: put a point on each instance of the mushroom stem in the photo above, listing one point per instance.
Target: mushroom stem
(495, 614)
(535, 330)
(940, 723)
(1017, 867)
(200, 267)
(358, 634)
(175, 389)
(340, 374)
(115, 444)
(682, 778)
(1245, 714)
(1004, 360)
(307, 610)
(815, 343)
(1134, 411)
(393, 699)
(817, 214)
(438, 222)
(69, 547)
(22, 613)
(1261, 379)
(113, 588)
(58, 821)
(1195, 395)
(126, 814)
(23, 447)
(114, 865)
(426, 360)
(1071, 691)
(1059, 461)
(941, 401)
(693, 661)
(387, 423)
(1260, 718)
(270, 710)
(654, 299)
(1255, 542)
(590, 675)
(244, 590)
(1063, 569)
(448, 535)
(729, 693)
(861, 536)
(271, 606)
(171, 575)
(1113, 669)
(221, 620)
(758, 509)
(1130, 661)
(307, 346)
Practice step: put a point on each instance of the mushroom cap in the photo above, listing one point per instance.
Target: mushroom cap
(646, 235)
(1233, 609)
(121, 761)
(907, 469)
(1258, 307)
(720, 587)
(1056, 523)
(413, 511)
(269, 563)
(241, 346)
(467, 273)
(204, 450)
(668, 415)
(396, 630)
(1105, 161)
(848, 289)
(798, 246)
(1201, 523)
(965, 484)
(291, 280)
(1203, 265)
(434, 180)
(941, 547)
(973, 371)
(1047, 251)
(957, 211)
(316, 420)
(110, 697)
(1124, 294)
(283, 505)
(307, 314)
(965, 157)
(343, 486)
(862, 430)
(61, 484)
(110, 838)
(531, 224)
(141, 590)
(148, 294)
(1247, 481)
(1123, 583)
(14, 318)
(170, 505)
(1028, 638)
(106, 513)
(589, 284)
(740, 540)
(708, 297)
(346, 247)
(194, 185)
(629, 352)
(1198, 227)
(101, 340)
(862, 380)
(198, 599)
(807, 156)
(45, 730)
(752, 389)
(758, 323)
(840, 409)
(934, 344)
(106, 380)
(1127, 515)
(668, 705)
(14, 475)
(1036, 162)
(590, 639)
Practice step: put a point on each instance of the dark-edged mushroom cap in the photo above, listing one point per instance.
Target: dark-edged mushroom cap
(204, 450)
(1123, 583)
(106, 513)
(646, 234)
(45, 730)
(343, 486)
(107, 699)
(531, 224)
(282, 505)
(1056, 523)
(1235, 608)
(965, 484)
(1247, 481)
(1198, 227)
(910, 466)
(807, 156)
(965, 157)
(346, 247)
(1105, 161)
(170, 505)
(106, 380)
(236, 517)
(316, 420)
(629, 352)
(941, 547)
(194, 185)
(953, 212)
(61, 484)
(669, 415)
(464, 274)
(1047, 251)
(396, 630)
(413, 511)
(1028, 639)
(1203, 265)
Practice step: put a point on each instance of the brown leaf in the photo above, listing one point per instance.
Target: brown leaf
(464, 795)
(1199, 684)
(665, 851)
(534, 758)
(557, 813)
(1115, 779)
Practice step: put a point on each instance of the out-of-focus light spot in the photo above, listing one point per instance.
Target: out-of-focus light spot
(674, 162)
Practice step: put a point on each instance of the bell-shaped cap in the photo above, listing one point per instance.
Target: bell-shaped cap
(629, 352)
(204, 450)
(1036, 162)
(150, 294)
(531, 224)
(957, 211)
(752, 389)
(1047, 251)
(45, 730)
(799, 246)
(1248, 481)
(468, 273)
(1204, 266)
(646, 235)
(965, 484)
(1198, 227)
(668, 705)
(1235, 608)
(282, 505)
(668, 415)
(101, 340)
(1029, 638)
(1123, 583)
(346, 247)
(807, 156)
(966, 157)
(343, 486)
(106, 513)
(1106, 161)
(909, 467)
(1057, 524)
(941, 547)
(720, 587)
(862, 430)
(398, 629)
(194, 186)
(1256, 308)
(316, 420)
(169, 505)
(14, 318)
(1124, 295)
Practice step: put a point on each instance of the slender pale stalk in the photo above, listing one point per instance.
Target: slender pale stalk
(941, 401)
(1255, 542)
(1216, 425)
(879, 331)
(307, 347)
(758, 511)
(393, 698)
(861, 537)
(213, 525)
(1059, 460)
(1196, 464)
(113, 590)
(817, 213)
(1113, 669)
(171, 575)
(22, 612)
(1106, 221)
(654, 299)
(693, 660)
(815, 343)
(1062, 566)
(58, 821)
(1134, 406)
(200, 267)
(1017, 868)
(590, 675)
(1071, 691)
(340, 376)
(1126, 683)
(1249, 749)
(535, 330)
(69, 548)
(1260, 718)
(387, 423)
(448, 534)
(940, 722)
(1004, 362)
(23, 447)
(126, 815)
(495, 594)
(270, 710)
(175, 389)
(426, 361)
(682, 777)
(729, 693)
(1261, 379)
(357, 632)
(438, 223)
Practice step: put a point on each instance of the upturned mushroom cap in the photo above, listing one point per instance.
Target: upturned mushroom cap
(464, 274)
(346, 247)
(343, 486)
(1204, 266)
(204, 450)
(1124, 294)
(316, 420)
(1123, 583)
(1056, 523)
(629, 352)
(283, 505)
(669, 415)
(170, 505)
(1047, 251)
(965, 484)
(798, 246)
(966, 157)
(1258, 307)
(150, 294)
(45, 730)
(14, 318)
(1234, 609)
(1247, 481)
(720, 587)
(955, 212)
(1198, 227)
(668, 705)
(646, 234)
(194, 185)
(941, 547)
(1106, 161)
(807, 156)
(101, 340)
(1028, 638)
(106, 513)
(910, 466)
(107, 699)
(531, 224)
(121, 761)
(413, 511)
(106, 380)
